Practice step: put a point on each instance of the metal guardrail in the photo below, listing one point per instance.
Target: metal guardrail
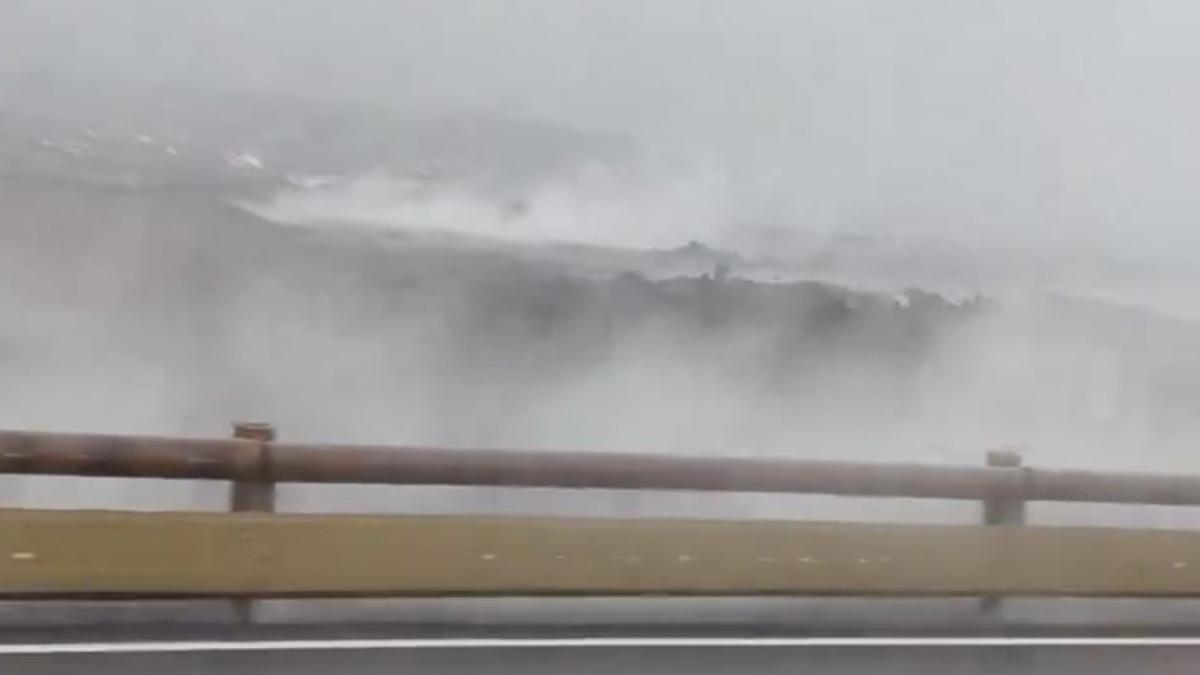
(258, 553)
(257, 459)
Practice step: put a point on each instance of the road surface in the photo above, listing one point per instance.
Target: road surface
(622, 656)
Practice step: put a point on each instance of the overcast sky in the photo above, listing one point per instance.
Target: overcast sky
(1058, 119)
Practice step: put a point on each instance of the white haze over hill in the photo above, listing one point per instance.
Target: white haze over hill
(1050, 124)
(597, 204)
(643, 207)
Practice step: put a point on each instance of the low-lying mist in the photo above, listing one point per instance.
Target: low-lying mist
(168, 311)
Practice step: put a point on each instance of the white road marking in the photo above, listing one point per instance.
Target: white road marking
(585, 643)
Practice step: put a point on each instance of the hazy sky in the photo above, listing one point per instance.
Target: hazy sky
(1059, 120)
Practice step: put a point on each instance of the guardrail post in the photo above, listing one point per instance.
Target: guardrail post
(253, 495)
(1002, 510)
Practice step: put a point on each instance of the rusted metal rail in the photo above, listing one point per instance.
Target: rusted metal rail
(274, 462)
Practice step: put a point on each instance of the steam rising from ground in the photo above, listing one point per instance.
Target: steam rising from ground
(204, 314)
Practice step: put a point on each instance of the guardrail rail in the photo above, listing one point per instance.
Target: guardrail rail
(255, 552)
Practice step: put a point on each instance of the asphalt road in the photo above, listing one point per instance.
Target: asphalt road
(630, 660)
